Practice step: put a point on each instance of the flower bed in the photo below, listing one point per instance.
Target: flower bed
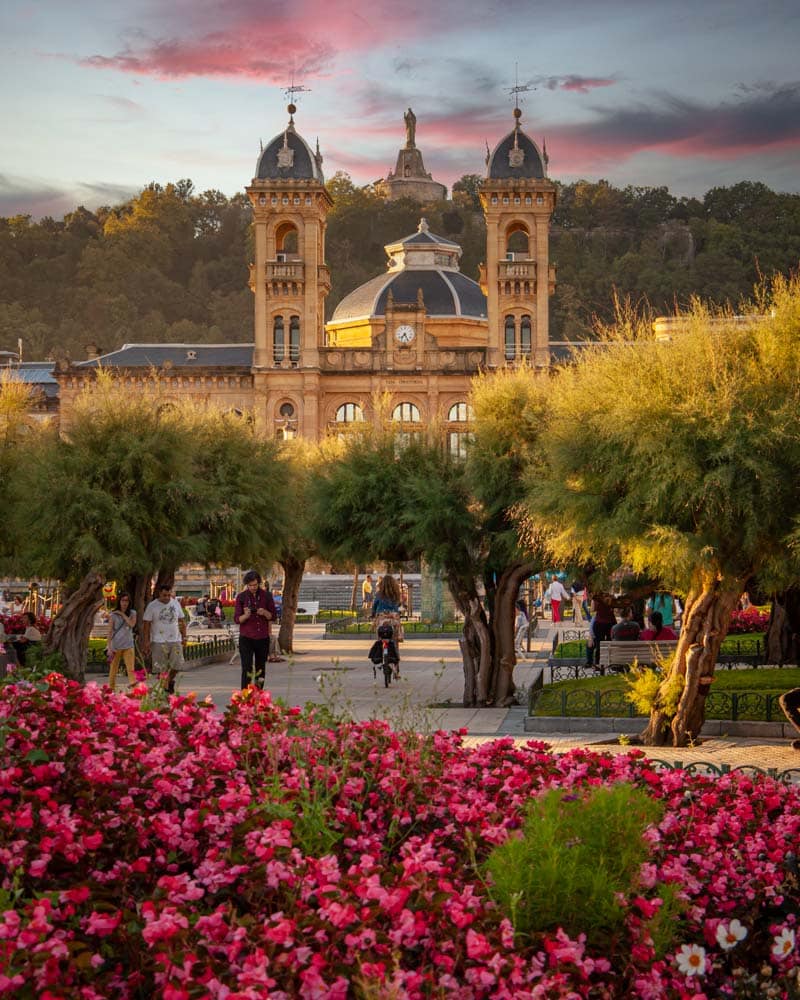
(16, 624)
(178, 853)
(752, 620)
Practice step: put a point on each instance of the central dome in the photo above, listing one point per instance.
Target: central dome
(421, 264)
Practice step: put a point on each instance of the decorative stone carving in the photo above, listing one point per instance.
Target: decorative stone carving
(362, 359)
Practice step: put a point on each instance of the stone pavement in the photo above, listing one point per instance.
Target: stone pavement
(336, 672)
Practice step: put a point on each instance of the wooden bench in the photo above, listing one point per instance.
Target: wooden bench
(309, 608)
(620, 655)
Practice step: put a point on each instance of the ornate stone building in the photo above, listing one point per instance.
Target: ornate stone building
(418, 333)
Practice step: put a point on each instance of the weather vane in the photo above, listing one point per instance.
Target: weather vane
(293, 89)
(518, 89)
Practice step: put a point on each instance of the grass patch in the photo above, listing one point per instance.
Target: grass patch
(575, 649)
(579, 853)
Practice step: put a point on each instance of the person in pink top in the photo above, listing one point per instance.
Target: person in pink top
(657, 629)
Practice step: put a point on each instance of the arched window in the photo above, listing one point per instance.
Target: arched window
(349, 413)
(406, 413)
(517, 244)
(286, 240)
(278, 341)
(294, 339)
(525, 336)
(286, 422)
(511, 339)
(459, 437)
(460, 413)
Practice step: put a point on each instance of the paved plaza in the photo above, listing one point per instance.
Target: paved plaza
(336, 672)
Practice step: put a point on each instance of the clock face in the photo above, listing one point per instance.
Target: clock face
(405, 333)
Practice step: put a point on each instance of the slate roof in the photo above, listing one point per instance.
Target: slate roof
(154, 356)
(499, 166)
(39, 374)
(304, 165)
(427, 237)
(446, 293)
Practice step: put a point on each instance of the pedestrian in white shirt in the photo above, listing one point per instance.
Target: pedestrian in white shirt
(164, 634)
(557, 594)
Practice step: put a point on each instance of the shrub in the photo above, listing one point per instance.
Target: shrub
(577, 852)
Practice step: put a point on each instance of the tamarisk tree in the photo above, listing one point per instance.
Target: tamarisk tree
(139, 485)
(682, 459)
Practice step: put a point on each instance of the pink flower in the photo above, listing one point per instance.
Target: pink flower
(102, 924)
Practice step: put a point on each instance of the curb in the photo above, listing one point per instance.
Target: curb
(629, 726)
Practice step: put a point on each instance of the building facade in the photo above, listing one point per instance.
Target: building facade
(415, 336)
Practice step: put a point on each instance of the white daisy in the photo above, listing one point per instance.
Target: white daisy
(691, 960)
(783, 945)
(729, 935)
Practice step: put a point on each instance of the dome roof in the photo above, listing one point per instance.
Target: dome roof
(444, 294)
(420, 263)
(517, 155)
(289, 157)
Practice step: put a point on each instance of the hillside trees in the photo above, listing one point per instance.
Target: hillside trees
(681, 459)
(170, 264)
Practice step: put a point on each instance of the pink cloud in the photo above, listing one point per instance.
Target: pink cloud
(583, 84)
(268, 42)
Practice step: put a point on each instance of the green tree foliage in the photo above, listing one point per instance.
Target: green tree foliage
(139, 485)
(681, 459)
(15, 433)
(380, 500)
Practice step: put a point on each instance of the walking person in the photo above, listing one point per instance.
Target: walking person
(120, 640)
(254, 611)
(366, 593)
(164, 635)
(557, 594)
(578, 594)
(521, 623)
(603, 620)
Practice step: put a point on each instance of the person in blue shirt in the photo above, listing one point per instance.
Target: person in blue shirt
(387, 596)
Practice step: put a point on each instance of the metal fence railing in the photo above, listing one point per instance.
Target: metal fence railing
(734, 706)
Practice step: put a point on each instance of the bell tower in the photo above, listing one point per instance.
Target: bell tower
(289, 277)
(517, 278)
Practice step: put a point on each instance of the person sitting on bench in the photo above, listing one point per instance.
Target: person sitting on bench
(657, 630)
(626, 629)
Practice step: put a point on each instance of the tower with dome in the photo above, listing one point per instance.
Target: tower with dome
(416, 334)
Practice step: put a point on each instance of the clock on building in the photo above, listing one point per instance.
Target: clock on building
(405, 333)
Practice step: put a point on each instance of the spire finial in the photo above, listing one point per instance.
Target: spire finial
(423, 226)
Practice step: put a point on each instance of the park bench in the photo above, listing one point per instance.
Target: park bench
(620, 655)
(309, 608)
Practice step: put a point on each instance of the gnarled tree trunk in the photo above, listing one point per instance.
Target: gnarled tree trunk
(292, 578)
(504, 658)
(137, 585)
(782, 640)
(69, 631)
(706, 619)
(475, 643)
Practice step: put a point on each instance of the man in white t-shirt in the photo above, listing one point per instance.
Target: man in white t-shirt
(164, 635)
(557, 593)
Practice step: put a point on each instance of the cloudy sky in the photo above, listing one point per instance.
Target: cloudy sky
(100, 97)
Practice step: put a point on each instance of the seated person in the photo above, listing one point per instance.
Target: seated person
(657, 630)
(29, 637)
(626, 629)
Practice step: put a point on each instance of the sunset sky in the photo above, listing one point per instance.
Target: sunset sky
(101, 97)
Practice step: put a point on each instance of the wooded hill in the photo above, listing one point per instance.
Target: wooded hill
(171, 264)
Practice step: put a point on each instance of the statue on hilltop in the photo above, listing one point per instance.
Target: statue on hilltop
(411, 128)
